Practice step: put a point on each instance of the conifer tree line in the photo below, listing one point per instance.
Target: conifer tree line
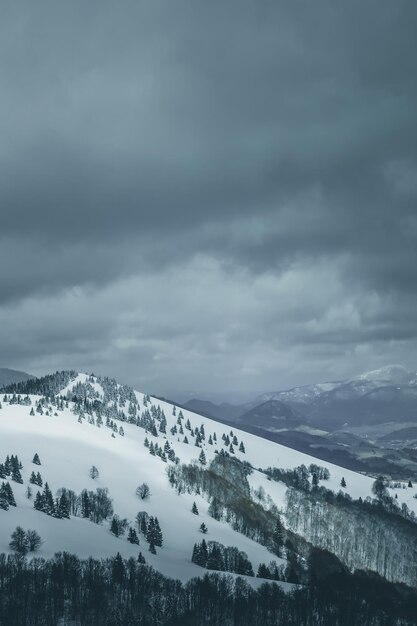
(215, 556)
(49, 385)
(93, 505)
(17, 399)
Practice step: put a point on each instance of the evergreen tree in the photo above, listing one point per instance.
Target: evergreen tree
(343, 482)
(36, 459)
(263, 571)
(38, 503)
(4, 501)
(17, 476)
(410, 484)
(152, 549)
(278, 537)
(141, 559)
(215, 559)
(194, 509)
(132, 536)
(63, 508)
(114, 527)
(49, 504)
(203, 528)
(85, 504)
(202, 458)
(9, 494)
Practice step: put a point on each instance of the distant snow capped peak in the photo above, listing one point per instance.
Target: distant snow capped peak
(389, 373)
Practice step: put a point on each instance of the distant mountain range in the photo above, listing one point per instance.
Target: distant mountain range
(343, 421)
(385, 395)
(8, 376)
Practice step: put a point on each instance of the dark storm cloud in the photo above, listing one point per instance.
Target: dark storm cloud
(270, 139)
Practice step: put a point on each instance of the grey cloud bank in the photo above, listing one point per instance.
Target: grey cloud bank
(208, 195)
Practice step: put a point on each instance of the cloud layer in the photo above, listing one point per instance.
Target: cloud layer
(208, 196)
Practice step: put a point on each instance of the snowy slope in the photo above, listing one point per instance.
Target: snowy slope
(68, 448)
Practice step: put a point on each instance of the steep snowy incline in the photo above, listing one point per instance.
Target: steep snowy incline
(67, 450)
(69, 442)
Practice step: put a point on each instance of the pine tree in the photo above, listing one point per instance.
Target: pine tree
(36, 459)
(152, 549)
(158, 534)
(49, 504)
(4, 501)
(263, 571)
(141, 559)
(114, 527)
(242, 447)
(17, 476)
(9, 494)
(215, 559)
(410, 484)
(85, 504)
(203, 528)
(202, 458)
(132, 536)
(278, 537)
(194, 509)
(63, 508)
(343, 482)
(38, 503)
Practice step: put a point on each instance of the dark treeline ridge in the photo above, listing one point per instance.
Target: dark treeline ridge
(116, 592)
(49, 385)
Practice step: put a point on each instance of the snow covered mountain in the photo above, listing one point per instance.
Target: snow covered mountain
(75, 421)
(383, 395)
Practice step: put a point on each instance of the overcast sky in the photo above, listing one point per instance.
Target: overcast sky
(214, 196)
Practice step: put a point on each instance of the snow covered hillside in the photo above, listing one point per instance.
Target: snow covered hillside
(135, 443)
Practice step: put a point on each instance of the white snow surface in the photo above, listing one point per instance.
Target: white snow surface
(68, 449)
